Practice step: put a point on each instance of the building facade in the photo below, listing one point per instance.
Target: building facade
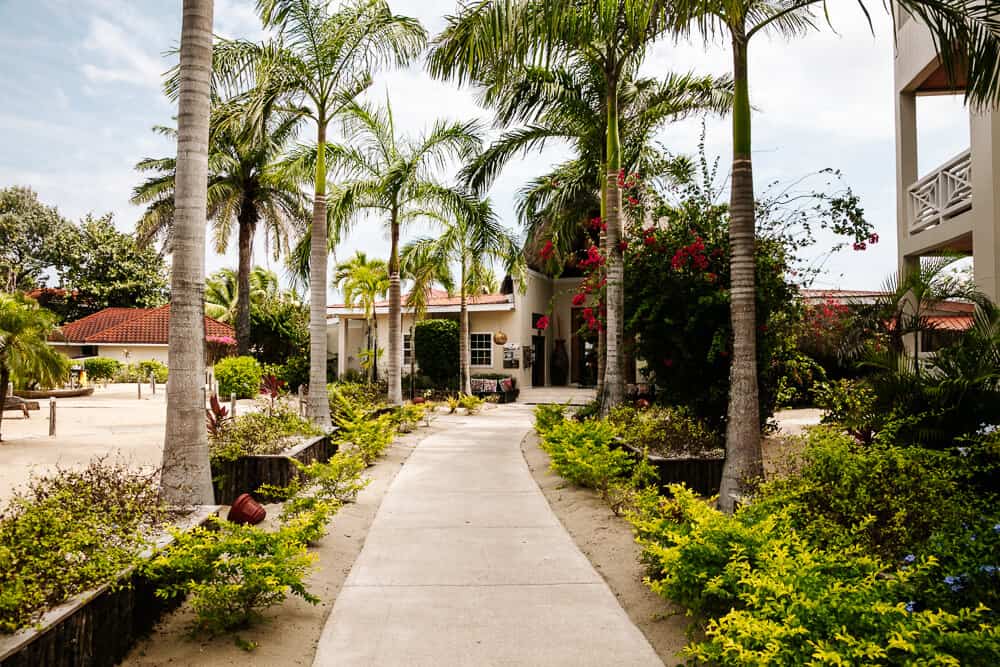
(528, 352)
(954, 207)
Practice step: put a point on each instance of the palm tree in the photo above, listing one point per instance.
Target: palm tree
(362, 282)
(318, 63)
(24, 352)
(473, 239)
(423, 269)
(222, 288)
(394, 177)
(245, 188)
(489, 40)
(966, 36)
(186, 476)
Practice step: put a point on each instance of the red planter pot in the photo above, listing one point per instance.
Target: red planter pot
(246, 510)
(418, 400)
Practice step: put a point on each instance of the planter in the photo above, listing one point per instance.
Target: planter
(246, 510)
(96, 628)
(248, 473)
(703, 475)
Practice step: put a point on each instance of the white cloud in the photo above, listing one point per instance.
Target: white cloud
(122, 59)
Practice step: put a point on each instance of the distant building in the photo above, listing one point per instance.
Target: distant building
(528, 350)
(127, 334)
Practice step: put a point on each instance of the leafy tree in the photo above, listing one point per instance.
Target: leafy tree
(186, 476)
(318, 63)
(966, 38)
(473, 240)
(279, 330)
(32, 233)
(363, 281)
(108, 268)
(24, 352)
(245, 190)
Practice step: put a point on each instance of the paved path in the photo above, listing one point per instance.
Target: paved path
(465, 564)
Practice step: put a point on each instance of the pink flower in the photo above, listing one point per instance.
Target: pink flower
(221, 340)
(547, 250)
(542, 323)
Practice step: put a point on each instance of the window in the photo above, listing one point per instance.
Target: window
(407, 350)
(481, 349)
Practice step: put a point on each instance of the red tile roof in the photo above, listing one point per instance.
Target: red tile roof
(130, 326)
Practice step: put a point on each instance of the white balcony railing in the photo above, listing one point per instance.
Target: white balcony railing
(941, 194)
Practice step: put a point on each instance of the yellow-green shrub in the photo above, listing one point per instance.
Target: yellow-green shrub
(582, 452)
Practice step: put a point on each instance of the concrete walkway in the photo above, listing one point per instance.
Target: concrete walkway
(465, 564)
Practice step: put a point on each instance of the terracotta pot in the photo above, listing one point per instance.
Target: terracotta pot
(246, 510)
(418, 400)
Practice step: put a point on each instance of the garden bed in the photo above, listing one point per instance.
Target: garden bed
(701, 474)
(246, 474)
(97, 627)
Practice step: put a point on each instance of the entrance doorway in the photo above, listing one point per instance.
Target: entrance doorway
(538, 361)
(583, 352)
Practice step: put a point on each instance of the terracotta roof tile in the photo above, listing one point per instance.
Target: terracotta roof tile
(441, 298)
(132, 325)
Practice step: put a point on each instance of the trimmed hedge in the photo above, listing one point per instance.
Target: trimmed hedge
(240, 376)
(101, 368)
(435, 342)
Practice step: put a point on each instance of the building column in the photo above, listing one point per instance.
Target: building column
(984, 129)
(342, 347)
(906, 171)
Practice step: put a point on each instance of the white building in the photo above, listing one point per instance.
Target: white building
(526, 355)
(956, 206)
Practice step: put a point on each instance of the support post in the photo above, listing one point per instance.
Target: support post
(232, 405)
(138, 390)
(301, 403)
(152, 383)
(52, 416)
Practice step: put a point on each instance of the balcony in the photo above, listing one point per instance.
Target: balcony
(942, 194)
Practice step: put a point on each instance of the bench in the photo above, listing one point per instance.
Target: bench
(20, 405)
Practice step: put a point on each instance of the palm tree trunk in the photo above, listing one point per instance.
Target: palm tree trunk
(614, 379)
(743, 450)
(395, 318)
(465, 371)
(186, 476)
(602, 340)
(247, 223)
(319, 404)
(4, 380)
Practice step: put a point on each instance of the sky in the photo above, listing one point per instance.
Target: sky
(82, 90)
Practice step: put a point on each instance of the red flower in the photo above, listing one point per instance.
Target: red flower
(873, 239)
(547, 250)
(578, 299)
(632, 201)
(542, 323)
(595, 223)
(588, 313)
(623, 245)
(860, 245)
(649, 240)
(668, 362)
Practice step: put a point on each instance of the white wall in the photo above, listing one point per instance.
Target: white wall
(136, 353)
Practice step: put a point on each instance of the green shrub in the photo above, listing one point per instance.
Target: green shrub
(771, 597)
(232, 572)
(435, 342)
(139, 372)
(470, 403)
(359, 395)
(410, 415)
(270, 431)
(358, 432)
(238, 375)
(851, 405)
(71, 531)
(101, 368)
(338, 479)
(666, 431)
(548, 415)
(582, 452)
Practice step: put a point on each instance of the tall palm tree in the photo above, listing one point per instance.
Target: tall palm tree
(394, 177)
(222, 292)
(474, 239)
(489, 40)
(245, 188)
(24, 352)
(362, 282)
(318, 63)
(967, 35)
(186, 476)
